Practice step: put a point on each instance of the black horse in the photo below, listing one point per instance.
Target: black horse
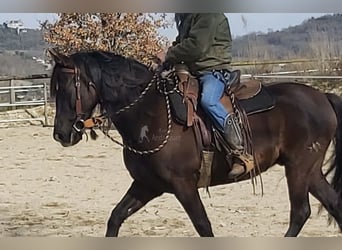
(295, 134)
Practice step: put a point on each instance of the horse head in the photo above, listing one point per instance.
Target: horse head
(76, 97)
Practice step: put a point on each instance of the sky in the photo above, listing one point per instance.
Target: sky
(254, 22)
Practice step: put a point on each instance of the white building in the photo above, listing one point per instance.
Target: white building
(16, 24)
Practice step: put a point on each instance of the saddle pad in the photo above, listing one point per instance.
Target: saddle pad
(261, 102)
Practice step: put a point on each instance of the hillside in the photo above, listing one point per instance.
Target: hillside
(17, 50)
(316, 37)
(10, 39)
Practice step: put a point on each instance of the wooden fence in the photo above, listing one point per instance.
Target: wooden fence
(13, 97)
(14, 101)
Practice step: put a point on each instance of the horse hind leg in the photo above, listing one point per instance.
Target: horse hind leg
(136, 197)
(323, 191)
(301, 181)
(299, 199)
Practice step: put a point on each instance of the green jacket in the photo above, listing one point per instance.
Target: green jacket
(203, 43)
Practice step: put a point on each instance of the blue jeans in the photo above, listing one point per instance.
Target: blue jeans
(212, 91)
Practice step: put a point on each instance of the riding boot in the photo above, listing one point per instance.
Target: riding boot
(232, 133)
(233, 136)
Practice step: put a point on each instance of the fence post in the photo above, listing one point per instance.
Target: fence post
(12, 94)
(45, 104)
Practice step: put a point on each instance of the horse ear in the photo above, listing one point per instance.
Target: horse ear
(60, 58)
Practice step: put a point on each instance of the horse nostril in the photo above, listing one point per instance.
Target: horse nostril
(58, 137)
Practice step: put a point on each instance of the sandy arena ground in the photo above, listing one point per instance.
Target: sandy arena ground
(48, 190)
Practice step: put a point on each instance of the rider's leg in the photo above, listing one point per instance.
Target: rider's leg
(212, 91)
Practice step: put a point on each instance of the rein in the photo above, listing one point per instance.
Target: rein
(80, 125)
(156, 79)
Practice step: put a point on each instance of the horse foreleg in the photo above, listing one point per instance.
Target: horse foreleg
(188, 196)
(136, 197)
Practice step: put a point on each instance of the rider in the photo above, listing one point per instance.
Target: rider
(204, 45)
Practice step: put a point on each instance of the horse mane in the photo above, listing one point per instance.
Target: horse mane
(53, 83)
(117, 73)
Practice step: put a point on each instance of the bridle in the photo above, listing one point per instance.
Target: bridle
(80, 124)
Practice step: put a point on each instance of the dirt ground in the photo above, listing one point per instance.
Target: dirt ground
(48, 190)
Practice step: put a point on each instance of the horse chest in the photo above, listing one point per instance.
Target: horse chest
(140, 169)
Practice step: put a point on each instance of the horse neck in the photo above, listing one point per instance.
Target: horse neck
(146, 115)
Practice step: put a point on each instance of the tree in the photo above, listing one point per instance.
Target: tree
(128, 34)
(325, 46)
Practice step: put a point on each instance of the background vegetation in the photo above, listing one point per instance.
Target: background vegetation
(136, 35)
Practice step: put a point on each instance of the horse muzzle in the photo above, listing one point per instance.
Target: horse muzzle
(66, 141)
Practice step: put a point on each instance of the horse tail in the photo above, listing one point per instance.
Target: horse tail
(336, 182)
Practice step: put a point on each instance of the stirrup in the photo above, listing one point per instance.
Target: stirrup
(245, 161)
(233, 175)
